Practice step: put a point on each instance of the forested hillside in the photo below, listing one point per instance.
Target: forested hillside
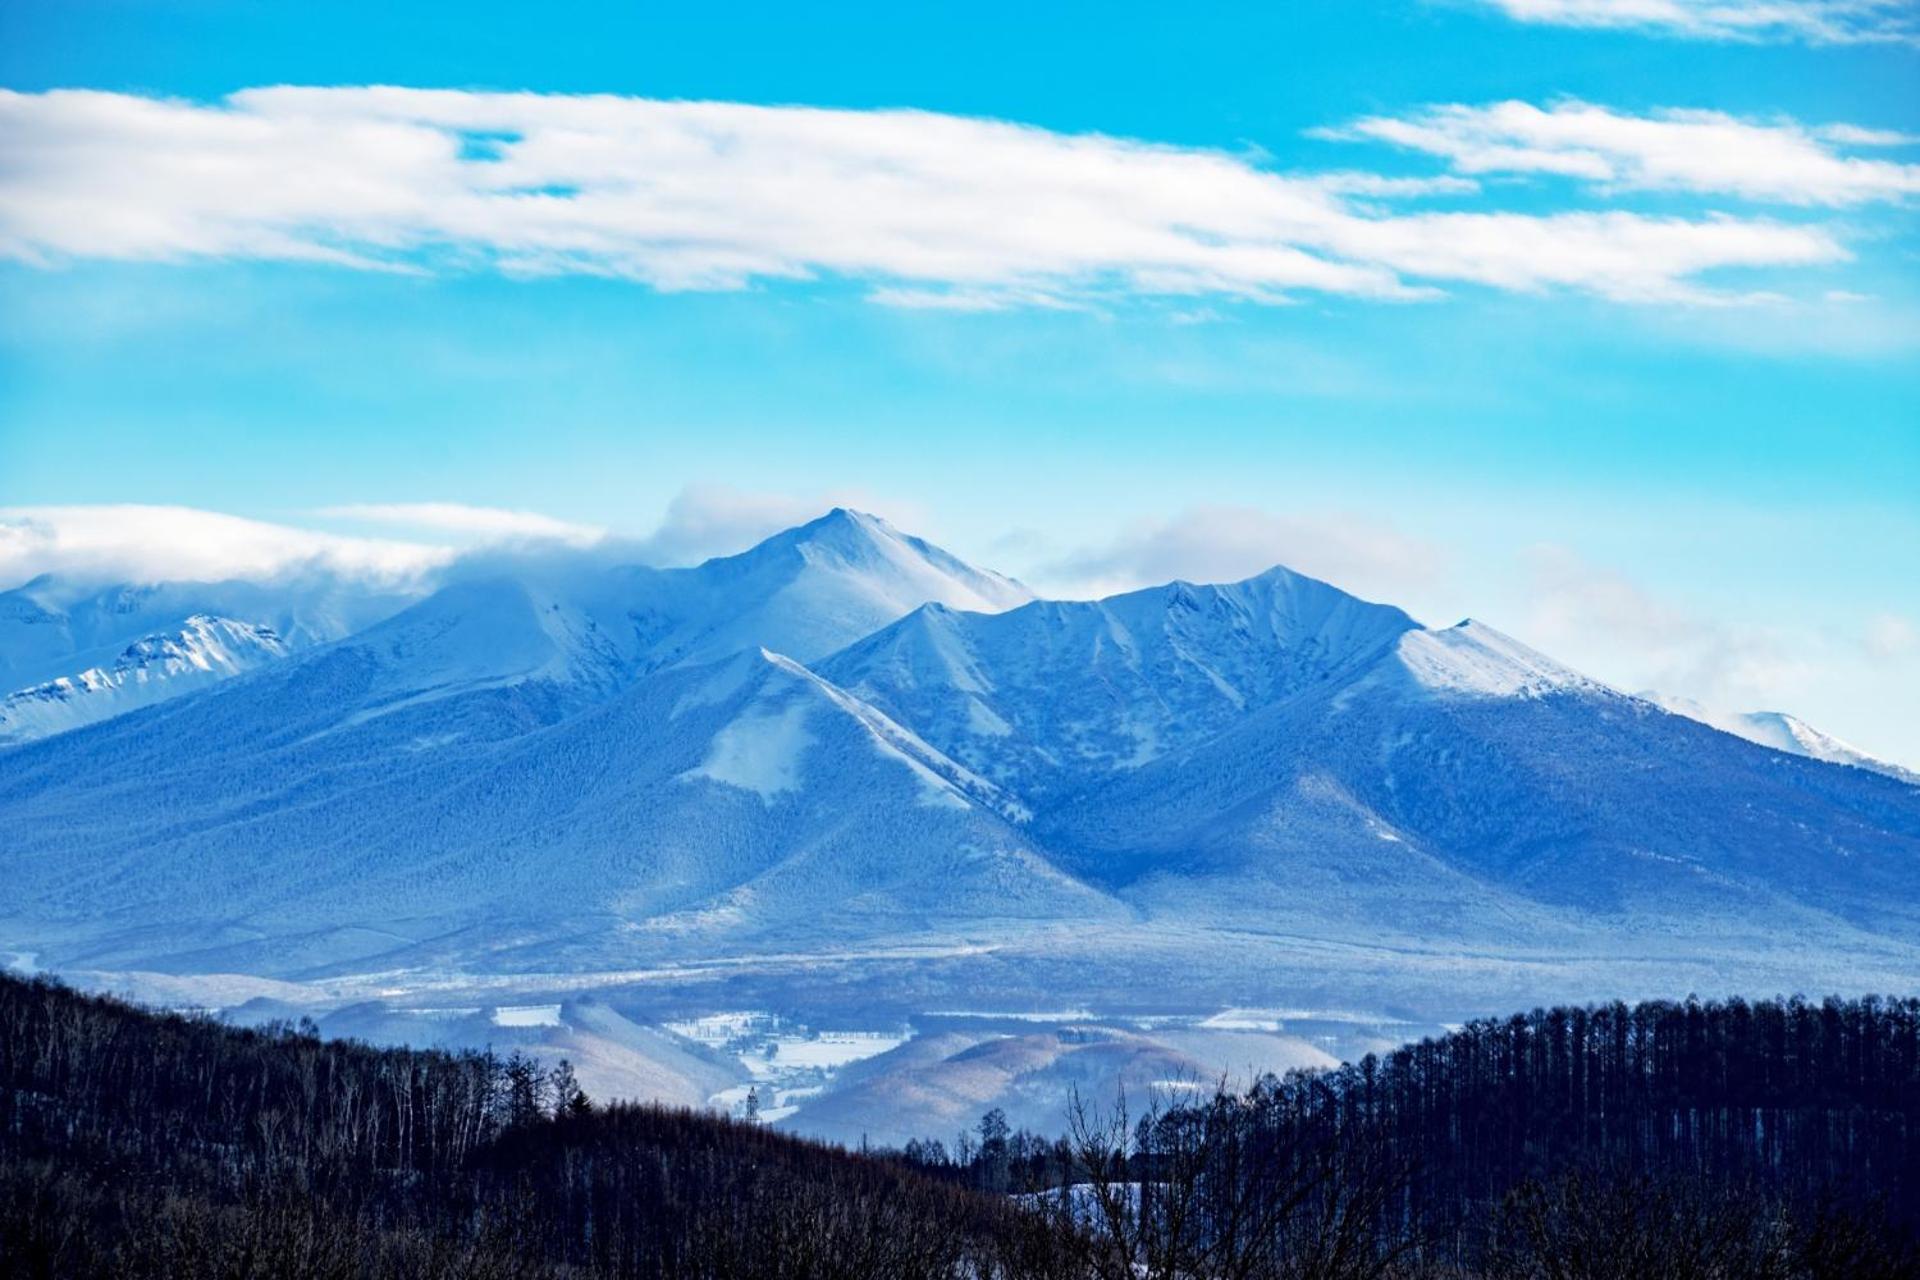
(1774, 1139)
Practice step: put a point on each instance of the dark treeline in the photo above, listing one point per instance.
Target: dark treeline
(1667, 1140)
(135, 1143)
(1784, 1135)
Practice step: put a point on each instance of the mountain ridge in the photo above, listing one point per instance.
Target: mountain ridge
(570, 765)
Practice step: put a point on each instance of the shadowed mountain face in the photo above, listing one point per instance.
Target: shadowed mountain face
(845, 742)
(1058, 695)
(1460, 778)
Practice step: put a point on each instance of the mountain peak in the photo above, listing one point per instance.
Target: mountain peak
(846, 520)
(846, 531)
(887, 564)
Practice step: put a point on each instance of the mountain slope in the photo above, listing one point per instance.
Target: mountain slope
(1783, 732)
(711, 804)
(1461, 777)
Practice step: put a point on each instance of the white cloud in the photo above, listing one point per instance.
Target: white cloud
(1379, 186)
(1693, 151)
(1223, 543)
(146, 544)
(487, 524)
(1813, 21)
(928, 208)
(128, 543)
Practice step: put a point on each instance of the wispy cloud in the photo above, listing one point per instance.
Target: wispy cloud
(129, 543)
(1608, 623)
(490, 524)
(930, 209)
(1812, 21)
(1224, 543)
(1708, 152)
(1890, 636)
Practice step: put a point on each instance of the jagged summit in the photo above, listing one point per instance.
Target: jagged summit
(1044, 696)
(568, 619)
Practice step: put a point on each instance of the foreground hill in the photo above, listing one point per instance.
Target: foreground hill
(1689, 1140)
(146, 1145)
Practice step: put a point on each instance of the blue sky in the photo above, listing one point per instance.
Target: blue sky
(1524, 391)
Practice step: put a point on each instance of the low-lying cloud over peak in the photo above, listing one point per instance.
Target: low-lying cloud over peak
(1225, 543)
(462, 520)
(146, 544)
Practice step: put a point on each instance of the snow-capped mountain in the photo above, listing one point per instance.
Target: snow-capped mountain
(151, 669)
(72, 653)
(581, 628)
(846, 742)
(815, 589)
(1783, 732)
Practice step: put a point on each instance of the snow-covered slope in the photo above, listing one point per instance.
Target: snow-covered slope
(705, 806)
(1054, 694)
(1783, 732)
(151, 669)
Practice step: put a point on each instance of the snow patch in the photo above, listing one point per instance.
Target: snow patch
(760, 752)
(527, 1015)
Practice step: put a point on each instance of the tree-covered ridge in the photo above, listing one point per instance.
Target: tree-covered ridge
(161, 1144)
(1800, 1097)
(1776, 1139)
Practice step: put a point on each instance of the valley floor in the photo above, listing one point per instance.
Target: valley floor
(918, 1037)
